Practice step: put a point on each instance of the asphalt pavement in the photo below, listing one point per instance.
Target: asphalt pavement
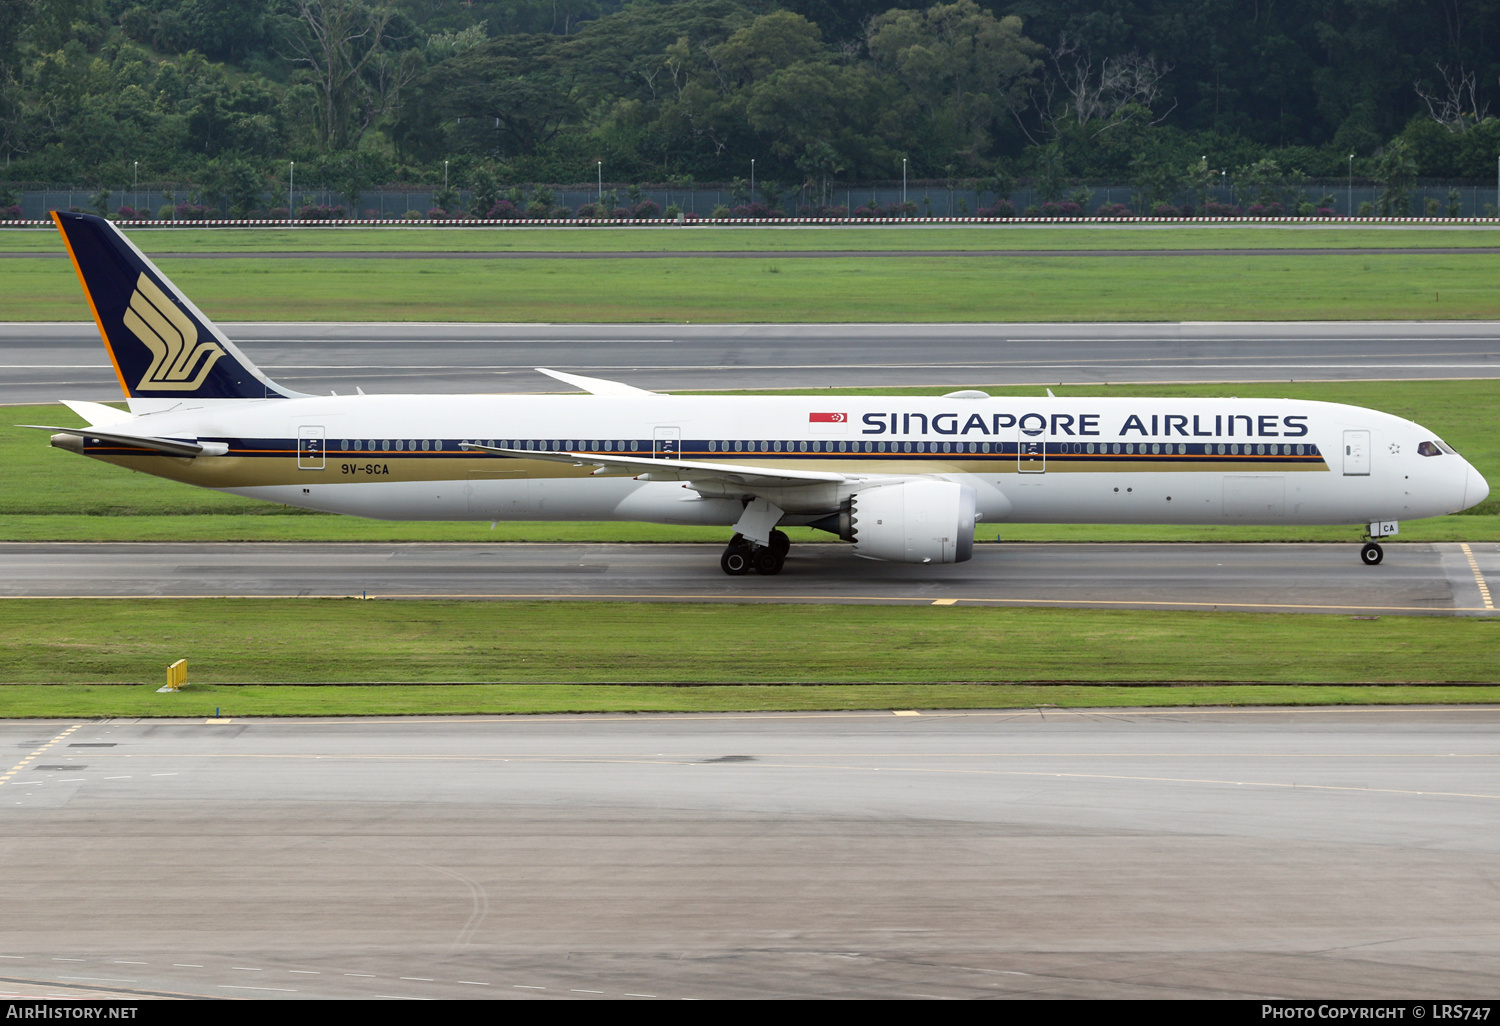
(1416, 578)
(1249, 853)
(46, 362)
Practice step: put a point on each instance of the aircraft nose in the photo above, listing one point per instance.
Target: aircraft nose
(1476, 489)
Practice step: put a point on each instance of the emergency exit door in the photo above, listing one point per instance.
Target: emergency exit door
(1031, 452)
(667, 443)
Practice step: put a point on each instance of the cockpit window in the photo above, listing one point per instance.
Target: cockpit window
(1446, 447)
(1429, 449)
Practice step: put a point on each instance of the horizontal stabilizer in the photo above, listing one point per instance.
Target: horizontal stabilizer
(167, 446)
(596, 386)
(97, 414)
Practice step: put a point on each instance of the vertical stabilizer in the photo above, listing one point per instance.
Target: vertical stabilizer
(162, 346)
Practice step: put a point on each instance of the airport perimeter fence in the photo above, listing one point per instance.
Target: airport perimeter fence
(647, 223)
(924, 201)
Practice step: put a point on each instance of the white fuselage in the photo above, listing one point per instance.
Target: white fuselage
(1078, 460)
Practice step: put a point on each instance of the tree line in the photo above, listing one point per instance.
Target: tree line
(1166, 95)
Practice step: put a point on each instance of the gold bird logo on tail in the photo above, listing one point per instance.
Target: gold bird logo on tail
(179, 362)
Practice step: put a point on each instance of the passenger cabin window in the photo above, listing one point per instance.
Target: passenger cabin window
(1429, 449)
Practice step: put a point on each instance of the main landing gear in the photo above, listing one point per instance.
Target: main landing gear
(1371, 554)
(741, 555)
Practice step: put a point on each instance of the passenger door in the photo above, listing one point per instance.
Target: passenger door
(1356, 454)
(310, 447)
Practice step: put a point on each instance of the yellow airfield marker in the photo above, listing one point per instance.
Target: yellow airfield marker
(176, 677)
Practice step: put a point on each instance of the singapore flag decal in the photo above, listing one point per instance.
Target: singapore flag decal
(828, 418)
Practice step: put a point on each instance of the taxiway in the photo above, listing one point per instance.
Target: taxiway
(1416, 578)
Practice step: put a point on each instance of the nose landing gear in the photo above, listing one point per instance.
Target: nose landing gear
(741, 556)
(1372, 553)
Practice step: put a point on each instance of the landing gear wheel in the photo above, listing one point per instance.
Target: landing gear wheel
(736, 559)
(780, 543)
(768, 561)
(1371, 554)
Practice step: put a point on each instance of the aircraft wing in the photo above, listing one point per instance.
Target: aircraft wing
(651, 469)
(169, 446)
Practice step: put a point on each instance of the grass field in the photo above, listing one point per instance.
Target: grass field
(51, 495)
(673, 238)
(869, 289)
(346, 641)
(88, 701)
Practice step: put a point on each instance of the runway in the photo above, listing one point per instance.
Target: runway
(1416, 578)
(45, 362)
(1247, 853)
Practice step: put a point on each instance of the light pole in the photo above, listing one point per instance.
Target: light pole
(1350, 200)
(135, 183)
(601, 181)
(903, 186)
(752, 181)
(291, 191)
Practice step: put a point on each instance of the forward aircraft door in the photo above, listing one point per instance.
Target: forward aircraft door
(1356, 454)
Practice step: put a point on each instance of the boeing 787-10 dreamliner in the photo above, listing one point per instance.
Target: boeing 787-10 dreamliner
(902, 478)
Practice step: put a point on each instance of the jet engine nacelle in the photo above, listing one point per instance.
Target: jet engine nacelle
(914, 522)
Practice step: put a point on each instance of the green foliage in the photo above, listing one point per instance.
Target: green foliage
(1267, 182)
(816, 91)
(221, 29)
(514, 93)
(963, 68)
(1049, 182)
(348, 173)
(234, 184)
(1396, 171)
(484, 189)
